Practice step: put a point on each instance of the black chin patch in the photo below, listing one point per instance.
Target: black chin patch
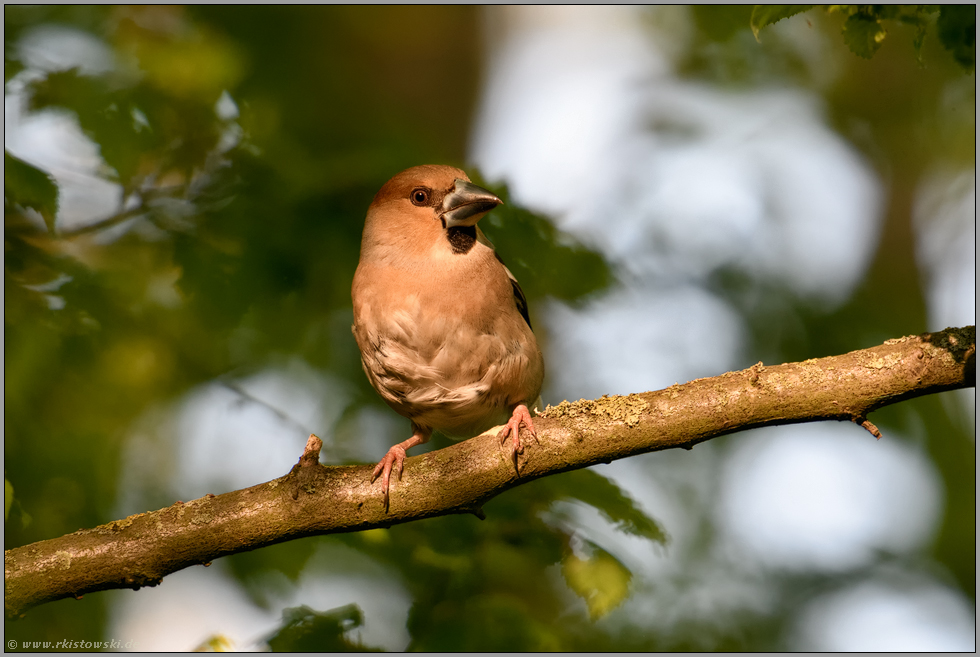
(461, 238)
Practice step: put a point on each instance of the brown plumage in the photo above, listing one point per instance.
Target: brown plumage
(441, 323)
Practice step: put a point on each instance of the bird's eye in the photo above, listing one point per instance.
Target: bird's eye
(420, 196)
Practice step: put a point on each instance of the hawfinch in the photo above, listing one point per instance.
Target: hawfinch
(441, 323)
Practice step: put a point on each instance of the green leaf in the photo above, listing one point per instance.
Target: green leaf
(595, 490)
(763, 15)
(917, 17)
(8, 497)
(601, 580)
(11, 67)
(863, 35)
(957, 26)
(307, 630)
(8, 503)
(30, 187)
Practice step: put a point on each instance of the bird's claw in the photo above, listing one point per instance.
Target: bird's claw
(520, 416)
(394, 459)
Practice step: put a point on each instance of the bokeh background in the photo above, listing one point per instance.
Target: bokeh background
(184, 194)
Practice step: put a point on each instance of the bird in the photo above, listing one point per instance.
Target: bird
(441, 324)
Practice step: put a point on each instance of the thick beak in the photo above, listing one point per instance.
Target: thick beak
(466, 204)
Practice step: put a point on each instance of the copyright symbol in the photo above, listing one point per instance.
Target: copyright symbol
(11, 644)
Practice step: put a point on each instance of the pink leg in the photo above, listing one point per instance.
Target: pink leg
(519, 416)
(396, 458)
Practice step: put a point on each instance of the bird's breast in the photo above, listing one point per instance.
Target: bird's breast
(452, 356)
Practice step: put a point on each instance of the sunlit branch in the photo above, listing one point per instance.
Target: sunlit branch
(312, 499)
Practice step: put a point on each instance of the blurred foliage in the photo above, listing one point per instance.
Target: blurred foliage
(245, 144)
(30, 188)
(543, 256)
(306, 630)
(763, 15)
(614, 505)
(8, 497)
(599, 578)
(11, 503)
(865, 30)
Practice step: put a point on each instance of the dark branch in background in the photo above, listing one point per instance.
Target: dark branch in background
(246, 396)
(108, 222)
(146, 196)
(312, 499)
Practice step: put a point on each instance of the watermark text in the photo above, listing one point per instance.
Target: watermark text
(70, 644)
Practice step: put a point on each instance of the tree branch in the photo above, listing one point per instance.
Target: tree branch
(312, 499)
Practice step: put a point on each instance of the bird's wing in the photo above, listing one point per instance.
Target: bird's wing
(519, 297)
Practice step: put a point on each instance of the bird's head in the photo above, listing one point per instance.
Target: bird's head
(425, 206)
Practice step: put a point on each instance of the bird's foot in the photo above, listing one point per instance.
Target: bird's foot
(521, 415)
(393, 460)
